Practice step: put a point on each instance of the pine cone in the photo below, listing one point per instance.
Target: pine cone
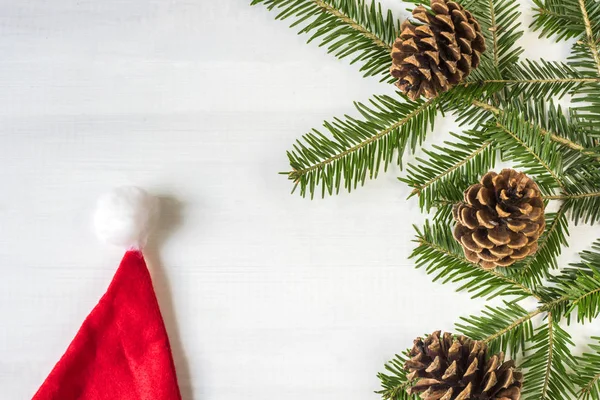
(457, 368)
(500, 220)
(432, 57)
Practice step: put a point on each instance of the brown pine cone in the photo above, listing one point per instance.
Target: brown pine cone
(458, 368)
(500, 220)
(432, 56)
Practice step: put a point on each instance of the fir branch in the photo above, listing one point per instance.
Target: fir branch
(553, 136)
(531, 79)
(525, 318)
(586, 59)
(591, 40)
(553, 120)
(563, 19)
(348, 28)
(559, 18)
(587, 376)
(550, 356)
(358, 148)
(441, 255)
(505, 328)
(451, 168)
(578, 285)
(500, 26)
(494, 30)
(533, 152)
(548, 359)
(544, 79)
(585, 295)
(394, 381)
(586, 102)
(582, 197)
(353, 24)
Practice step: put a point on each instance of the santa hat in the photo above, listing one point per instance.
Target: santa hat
(121, 351)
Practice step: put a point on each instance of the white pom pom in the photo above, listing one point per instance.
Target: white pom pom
(125, 217)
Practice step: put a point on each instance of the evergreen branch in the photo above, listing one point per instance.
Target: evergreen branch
(564, 19)
(523, 143)
(531, 78)
(450, 169)
(544, 79)
(353, 24)
(364, 143)
(359, 147)
(553, 136)
(553, 120)
(591, 388)
(494, 30)
(545, 307)
(591, 41)
(550, 356)
(587, 376)
(394, 381)
(503, 329)
(585, 58)
(530, 150)
(348, 28)
(547, 361)
(586, 103)
(513, 325)
(442, 256)
(579, 285)
(419, 188)
(588, 295)
(500, 26)
(560, 18)
(582, 197)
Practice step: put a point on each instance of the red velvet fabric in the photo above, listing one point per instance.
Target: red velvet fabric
(121, 351)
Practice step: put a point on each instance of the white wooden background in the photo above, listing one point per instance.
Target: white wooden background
(265, 295)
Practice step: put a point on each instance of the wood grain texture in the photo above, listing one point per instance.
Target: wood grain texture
(265, 295)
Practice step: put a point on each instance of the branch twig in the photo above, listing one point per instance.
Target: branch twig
(572, 196)
(526, 318)
(550, 355)
(517, 81)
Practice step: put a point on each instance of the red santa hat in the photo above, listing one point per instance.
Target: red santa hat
(121, 351)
